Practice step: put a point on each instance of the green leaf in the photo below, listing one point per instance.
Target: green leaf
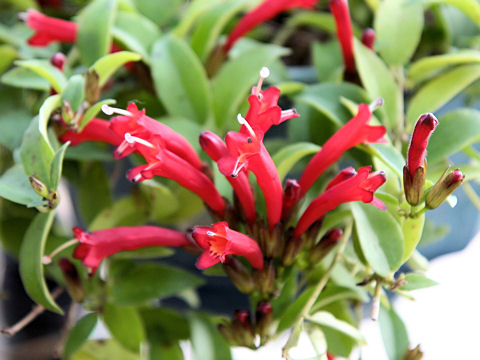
(456, 130)
(47, 71)
(394, 334)
(161, 12)
(379, 82)
(94, 24)
(471, 8)
(417, 281)
(328, 62)
(57, 165)
(428, 66)
(326, 98)
(389, 155)
(380, 238)
(291, 314)
(398, 25)
(132, 283)
(325, 319)
(74, 91)
(124, 212)
(194, 11)
(92, 112)
(14, 186)
(136, 32)
(108, 64)
(166, 351)
(440, 90)
(125, 324)
(94, 191)
(206, 340)
(336, 293)
(211, 24)
(103, 349)
(288, 156)
(412, 229)
(25, 78)
(30, 259)
(233, 82)
(79, 334)
(162, 202)
(180, 80)
(164, 325)
(7, 54)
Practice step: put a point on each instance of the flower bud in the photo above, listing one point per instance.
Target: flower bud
(368, 38)
(325, 245)
(291, 195)
(413, 354)
(38, 186)
(239, 275)
(242, 328)
(443, 188)
(72, 279)
(58, 60)
(413, 186)
(265, 278)
(263, 316)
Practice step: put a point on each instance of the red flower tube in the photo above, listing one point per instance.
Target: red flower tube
(353, 133)
(48, 29)
(219, 241)
(97, 245)
(215, 148)
(95, 130)
(343, 22)
(417, 149)
(263, 12)
(360, 187)
(291, 195)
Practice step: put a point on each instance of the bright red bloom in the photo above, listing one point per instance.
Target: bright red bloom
(97, 245)
(162, 162)
(353, 133)
(360, 187)
(95, 130)
(136, 123)
(368, 38)
(219, 241)
(215, 148)
(418, 145)
(341, 13)
(48, 29)
(263, 12)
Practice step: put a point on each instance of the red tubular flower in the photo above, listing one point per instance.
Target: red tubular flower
(97, 245)
(95, 130)
(162, 162)
(48, 29)
(263, 12)
(368, 38)
(220, 241)
(341, 13)
(291, 195)
(353, 133)
(360, 187)
(418, 145)
(136, 123)
(215, 148)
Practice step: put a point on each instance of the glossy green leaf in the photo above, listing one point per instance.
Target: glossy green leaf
(440, 90)
(79, 334)
(125, 324)
(124, 212)
(231, 85)
(25, 78)
(94, 192)
(471, 8)
(162, 202)
(326, 98)
(398, 25)
(379, 82)
(108, 64)
(180, 80)
(57, 165)
(171, 351)
(47, 71)
(14, 186)
(328, 61)
(288, 156)
(428, 66)
(74, 91)
(94, 25)
(211, 24)
(30, 259)
(136, 32)
(336, 293)
(93, 111)
(288, 318)
(194, 11)
(394, 334)
(380, 237)
(13, 123)
(325, 319)
(455, 131)
(103, 349)
(412, 229)
(161, 12)
(7, 54)
(417, 281)
(164, 325)
(132, 283)
(389, 155)
(207, 342)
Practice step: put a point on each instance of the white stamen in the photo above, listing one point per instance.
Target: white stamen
(137, 178)
(243, 121)
(23, 16)
(376, 104)
(237, 169)
(134, 139)
(288, 113)
(108, 110)
(265, 72)
(210, 233)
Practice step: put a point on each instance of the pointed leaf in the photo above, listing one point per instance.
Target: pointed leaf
(93, 111)
(108, 64)
(417, 281)
(287, 157)
(79, 334)
(206, 340)
(394, 334)
(471, 8)
(74, 91)
(412, 229)
(57, 165)
(14, 186)
(324, 318)
(25, 78)
(47, 71)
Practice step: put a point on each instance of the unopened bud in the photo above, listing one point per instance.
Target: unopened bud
(325, 245)
(368, 38)
(263, 318)
(58, 60)
(292, 249)
(67, 112)
(413, 354)
(413, 186)
(38, 186)
(265, 278)
(72, 279)
(213, 145)
(92, 87)
(291, 196)
(443, 188)
(242, 328)
(239, 275)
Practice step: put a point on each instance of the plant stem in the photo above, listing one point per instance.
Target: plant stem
(323, 281)
(376, 301)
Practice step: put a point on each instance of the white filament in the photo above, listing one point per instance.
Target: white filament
(243, 121)
(108, 110)
(134, 139)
